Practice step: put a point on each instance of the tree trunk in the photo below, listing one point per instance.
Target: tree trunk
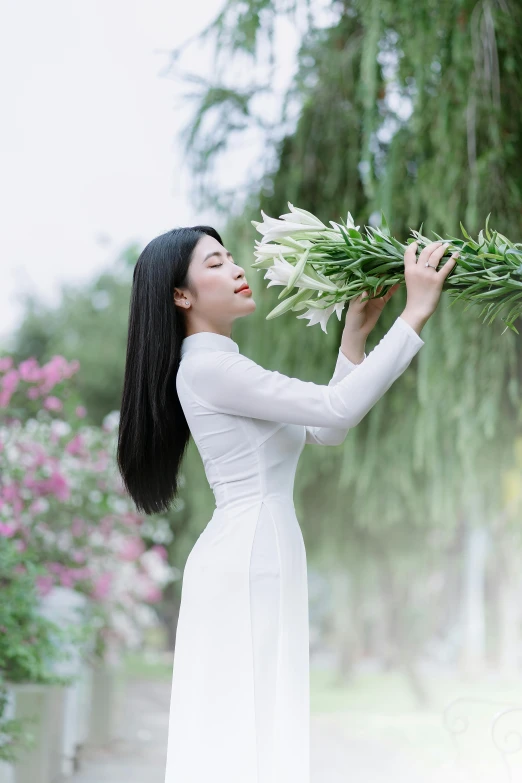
(508, 605)
(347, 638)
(403, 654)
(473, 648)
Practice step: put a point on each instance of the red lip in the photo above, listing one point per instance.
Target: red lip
(243, 287)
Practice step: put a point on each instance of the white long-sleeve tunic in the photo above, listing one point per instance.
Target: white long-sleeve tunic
(240, 690)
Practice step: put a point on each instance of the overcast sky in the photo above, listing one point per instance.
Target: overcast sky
(89, 144)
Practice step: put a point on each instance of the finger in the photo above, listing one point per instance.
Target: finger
(450, 263)
(410, 254)
(388, 295)
(427, 252)
(437, 254)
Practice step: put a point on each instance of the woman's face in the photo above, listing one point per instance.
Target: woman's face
(215, 280)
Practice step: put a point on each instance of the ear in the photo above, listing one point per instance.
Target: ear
(179, 297)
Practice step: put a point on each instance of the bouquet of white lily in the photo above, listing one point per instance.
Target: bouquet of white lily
(331, 265)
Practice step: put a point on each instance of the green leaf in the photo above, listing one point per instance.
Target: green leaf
(296, 274)
(488, 235)
(464, 231)
(288, 303)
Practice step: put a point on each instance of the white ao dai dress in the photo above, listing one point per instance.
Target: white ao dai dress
(239, 709)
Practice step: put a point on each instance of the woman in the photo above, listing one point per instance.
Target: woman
(240, 689)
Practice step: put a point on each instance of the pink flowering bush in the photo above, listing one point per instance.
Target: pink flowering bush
(64, 508)
(30, 644)
(26, 389)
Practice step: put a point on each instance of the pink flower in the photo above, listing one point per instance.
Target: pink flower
(83, 573)
(10, 380)
(55, 568)
(56, 485)
(52, 404)
(29, 370)
(152, 594)
(37, 506)
(5, 398)
(102, 586)
(162, 552)
(20, 545)
(67, 578)
(81, 412)
(33, 393)
(76, 445)
(7, 530)
(132, 549)
(53, 372)
(44, 584)
(10, 492)
(6, 362)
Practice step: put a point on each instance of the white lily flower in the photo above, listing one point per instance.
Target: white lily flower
(318, 315)
(297, 221)
(279, 274)
(272, 251)
(349, 223)
(264, 254)
(302, 216)
(273, 228)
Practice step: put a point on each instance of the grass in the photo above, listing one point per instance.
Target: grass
(379, 710)
(147, 666)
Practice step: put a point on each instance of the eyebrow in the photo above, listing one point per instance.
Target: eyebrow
(216, 253)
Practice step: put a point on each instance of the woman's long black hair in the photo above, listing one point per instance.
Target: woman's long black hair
(153, 432)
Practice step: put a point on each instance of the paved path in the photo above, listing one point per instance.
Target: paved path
(138, 756)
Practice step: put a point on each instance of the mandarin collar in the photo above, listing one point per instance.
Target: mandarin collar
(210, 341)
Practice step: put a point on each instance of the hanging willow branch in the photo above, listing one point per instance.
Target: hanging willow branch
(329, 266)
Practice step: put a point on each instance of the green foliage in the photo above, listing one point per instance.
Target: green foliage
(30, 644)
(90, 325)
(407, 110)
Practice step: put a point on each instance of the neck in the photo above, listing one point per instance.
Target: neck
(195, 328)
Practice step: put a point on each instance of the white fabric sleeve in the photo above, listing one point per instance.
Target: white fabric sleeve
(332, 436)
(229, 382)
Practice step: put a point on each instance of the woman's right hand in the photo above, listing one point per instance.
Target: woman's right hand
(424, 283)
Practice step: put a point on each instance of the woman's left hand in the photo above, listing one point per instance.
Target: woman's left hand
(361, 317)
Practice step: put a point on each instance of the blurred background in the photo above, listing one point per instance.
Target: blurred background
(125, 119)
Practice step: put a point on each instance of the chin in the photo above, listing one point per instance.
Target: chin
(249, 309)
